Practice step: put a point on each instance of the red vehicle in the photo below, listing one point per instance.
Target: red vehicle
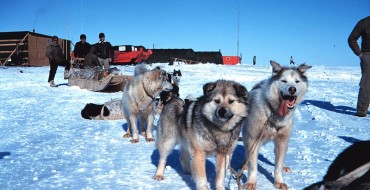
(128, 54)
(231, 60)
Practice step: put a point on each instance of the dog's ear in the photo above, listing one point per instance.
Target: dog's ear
(169, 77)
(240, 90)
(208, 88)
(303, 68)
(84, 113)
(276, 68)
(157, 75)
(106, 111)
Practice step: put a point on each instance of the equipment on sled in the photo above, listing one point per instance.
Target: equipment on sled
(95, 79)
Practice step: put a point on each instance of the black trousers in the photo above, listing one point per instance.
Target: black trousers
(54, 66)
(364, 92)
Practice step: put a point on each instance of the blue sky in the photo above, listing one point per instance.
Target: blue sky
(312, 31)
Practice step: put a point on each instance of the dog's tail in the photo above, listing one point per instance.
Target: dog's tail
(141, 68)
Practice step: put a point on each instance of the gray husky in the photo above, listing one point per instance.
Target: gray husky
(208, 126)
(138, 99)
(270, 118)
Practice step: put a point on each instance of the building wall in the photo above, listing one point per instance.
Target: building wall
(37, 46)
(32, 50)
(37, 50)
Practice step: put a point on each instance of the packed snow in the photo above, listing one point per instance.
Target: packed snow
(46, 144)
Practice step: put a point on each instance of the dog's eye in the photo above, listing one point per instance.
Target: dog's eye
(297, 81)
(231, 101)
(217, 101)
(284, 81)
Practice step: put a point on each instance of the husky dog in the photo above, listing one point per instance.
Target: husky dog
(349, 171)
(165, 96)
(208, 126)
(137, 100)
(176, 76)
(270, 117)
(111, 110)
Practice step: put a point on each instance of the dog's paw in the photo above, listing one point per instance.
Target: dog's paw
(127, 135)
(282, 186)
(158, 177)
(286, 169)
(250, 186)
(150, 140)
(244, 167)
(133, 141)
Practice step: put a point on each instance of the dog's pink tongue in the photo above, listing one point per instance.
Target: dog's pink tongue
(283, 107)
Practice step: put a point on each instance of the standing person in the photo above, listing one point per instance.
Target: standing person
(82, 48)
(104, 51)
(362, 29)
(55, 54)
(292, 60)
(254, 60)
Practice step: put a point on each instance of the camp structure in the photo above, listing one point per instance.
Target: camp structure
(187, 56)
(209, 57)
(231, 60)
(28, 48)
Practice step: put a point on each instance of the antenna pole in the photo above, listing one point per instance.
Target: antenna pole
(237, 45)
(82, 20)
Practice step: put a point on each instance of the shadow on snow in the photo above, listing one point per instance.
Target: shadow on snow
(236, 163)
(3, 154)
(330, 107)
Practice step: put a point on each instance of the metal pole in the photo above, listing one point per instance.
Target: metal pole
(237, 51)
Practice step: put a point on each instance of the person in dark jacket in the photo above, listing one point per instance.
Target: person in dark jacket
(104, 51)
(56, 58)
(91, 60)
(82, 48)
(362, 29)
(292, 60)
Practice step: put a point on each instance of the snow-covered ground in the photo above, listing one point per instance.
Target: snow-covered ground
(46, 144)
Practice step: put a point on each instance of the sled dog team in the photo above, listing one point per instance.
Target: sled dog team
(210, 125)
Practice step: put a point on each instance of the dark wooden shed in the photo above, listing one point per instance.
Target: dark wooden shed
(208, 57)
(170, 55)
(28, 48)
(188, 56)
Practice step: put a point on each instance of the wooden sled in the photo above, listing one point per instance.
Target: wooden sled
(94, 80)
(117, 83)
(91, 84)
(109, 83)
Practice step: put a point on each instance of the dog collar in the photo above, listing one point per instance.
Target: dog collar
(147, 93)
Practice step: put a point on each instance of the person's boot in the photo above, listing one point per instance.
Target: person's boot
(52, 84)
(360, 114)
(66, 74)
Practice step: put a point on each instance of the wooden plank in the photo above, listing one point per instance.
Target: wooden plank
(15, 49)
(13, 44)
(11, 40)
(23, 51)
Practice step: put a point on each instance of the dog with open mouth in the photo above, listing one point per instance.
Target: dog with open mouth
(270, 118)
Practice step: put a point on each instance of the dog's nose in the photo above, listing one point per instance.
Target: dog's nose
(221, 112)
(292, 90)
